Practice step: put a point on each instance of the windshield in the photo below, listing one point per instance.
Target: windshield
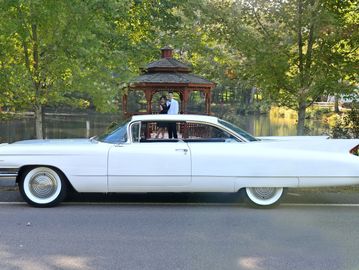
(238, 130)
(116, 135)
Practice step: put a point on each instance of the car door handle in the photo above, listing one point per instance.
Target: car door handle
(184, 150)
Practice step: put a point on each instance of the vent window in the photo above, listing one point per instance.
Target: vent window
(355, 150)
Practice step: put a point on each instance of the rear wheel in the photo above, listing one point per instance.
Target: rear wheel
(43, 186)
(264, 197)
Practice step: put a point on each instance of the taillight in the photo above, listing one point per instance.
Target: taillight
(355, 150)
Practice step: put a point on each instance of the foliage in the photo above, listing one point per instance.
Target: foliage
(294, 51)
(259, 52)
(74, 52)
(318, 112)
(58, 52)
(347, 126)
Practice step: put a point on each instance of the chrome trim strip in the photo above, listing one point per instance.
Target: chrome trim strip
(9, 170)
(8, 173)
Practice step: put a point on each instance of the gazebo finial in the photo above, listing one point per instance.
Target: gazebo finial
(166, 52)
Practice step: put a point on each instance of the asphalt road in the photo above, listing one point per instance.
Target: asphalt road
(117, 236)
(167, 231)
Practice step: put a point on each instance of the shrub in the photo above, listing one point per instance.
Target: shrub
(347, 126)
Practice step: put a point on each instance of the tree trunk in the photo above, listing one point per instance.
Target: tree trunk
(336, 104)
(253, 93)
(301, 118)
(38, 122)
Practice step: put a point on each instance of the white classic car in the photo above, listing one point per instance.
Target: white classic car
(208, 155)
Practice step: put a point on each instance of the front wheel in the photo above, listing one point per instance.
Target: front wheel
(264, 197)
(43, 187)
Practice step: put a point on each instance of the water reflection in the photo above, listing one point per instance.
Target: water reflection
(269, 125)
(87, 125)
(57, 126)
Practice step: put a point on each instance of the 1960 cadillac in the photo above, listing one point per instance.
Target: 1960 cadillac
(210, 155)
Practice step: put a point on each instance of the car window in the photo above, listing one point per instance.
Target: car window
(151, 131)
(135, 132)
(238, 130)
(116, 135)
(157, 131)
(200, 132)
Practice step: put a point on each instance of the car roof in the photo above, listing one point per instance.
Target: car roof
(175, 117)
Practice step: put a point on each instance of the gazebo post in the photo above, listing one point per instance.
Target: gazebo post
(186, 94)
(148, 95)
(124, 104)
(208, 101)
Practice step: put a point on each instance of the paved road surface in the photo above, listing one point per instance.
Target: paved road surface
(178, 237)
(181, 232)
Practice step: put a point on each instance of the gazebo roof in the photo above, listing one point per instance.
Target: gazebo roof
(169, 71)
(170, 78)
(167, 64)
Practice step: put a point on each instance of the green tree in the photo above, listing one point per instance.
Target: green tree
(57, 52)
(148, 26)
(295, 51)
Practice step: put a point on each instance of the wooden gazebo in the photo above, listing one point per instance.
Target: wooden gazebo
(168, 74)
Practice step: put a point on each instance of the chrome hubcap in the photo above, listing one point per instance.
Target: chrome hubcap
(43, 185)
(264, 193)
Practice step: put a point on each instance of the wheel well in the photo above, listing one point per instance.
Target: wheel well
(23, 169)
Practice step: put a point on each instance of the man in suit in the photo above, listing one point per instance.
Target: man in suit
(173, 109)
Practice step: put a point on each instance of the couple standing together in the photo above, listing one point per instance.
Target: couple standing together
(168, 106)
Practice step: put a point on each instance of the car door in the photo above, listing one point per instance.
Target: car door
(213, 152)
(148, 164)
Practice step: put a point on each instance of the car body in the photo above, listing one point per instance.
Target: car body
(210, 155)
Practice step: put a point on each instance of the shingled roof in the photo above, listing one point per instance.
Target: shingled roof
(167, 64)
(168, 70)
(173, 77)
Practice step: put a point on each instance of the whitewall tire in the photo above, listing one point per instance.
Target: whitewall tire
(264, 197)
(43, 186)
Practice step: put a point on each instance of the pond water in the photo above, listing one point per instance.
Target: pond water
(87, 125)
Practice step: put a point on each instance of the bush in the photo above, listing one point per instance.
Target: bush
(347, 126)
(318, 112)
